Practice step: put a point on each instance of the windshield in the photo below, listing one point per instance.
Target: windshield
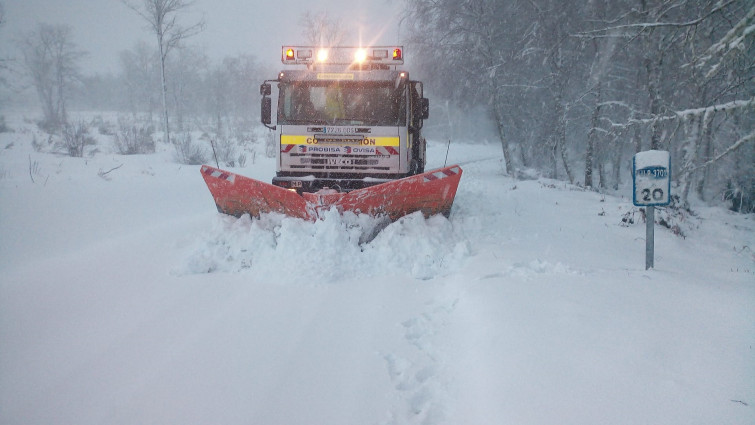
(341, 103)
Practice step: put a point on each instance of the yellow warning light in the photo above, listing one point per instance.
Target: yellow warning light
(289, 54)
(360, 55)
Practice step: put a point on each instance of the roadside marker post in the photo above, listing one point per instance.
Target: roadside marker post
(651, 184)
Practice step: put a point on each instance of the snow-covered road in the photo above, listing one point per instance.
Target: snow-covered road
(129, 300)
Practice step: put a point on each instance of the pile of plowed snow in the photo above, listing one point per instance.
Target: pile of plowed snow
(332, 249)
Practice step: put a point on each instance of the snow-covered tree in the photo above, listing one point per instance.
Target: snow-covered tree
(570, 85)
(460, 48)
(699, 63)
(52, 61)
(162, 19)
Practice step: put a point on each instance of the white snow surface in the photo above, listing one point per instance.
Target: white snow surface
(125, 298)
(651, 158)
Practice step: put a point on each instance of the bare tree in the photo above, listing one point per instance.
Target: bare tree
(4, 68)
(319, 29)
(51, 59)
(3, 61)
(161, 16)
(230, 94)
(141, 78)
(468, 62)
(187, 66)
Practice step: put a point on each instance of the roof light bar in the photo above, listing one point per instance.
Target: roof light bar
(308, 55)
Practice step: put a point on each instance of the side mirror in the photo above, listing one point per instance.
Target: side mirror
(424, 105)
(265, 89)
(266, 110)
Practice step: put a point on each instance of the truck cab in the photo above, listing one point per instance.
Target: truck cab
(345, 118)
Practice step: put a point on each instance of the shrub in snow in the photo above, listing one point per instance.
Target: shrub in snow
(677, 219)
(3, 126)
(741, 194)
(242, 159)
(49, 126)
(133, 138)
(225, 151)
(35, 143)
(248, 141)
(188, 152)
(75, 138)
(271, 148)
(103, 127)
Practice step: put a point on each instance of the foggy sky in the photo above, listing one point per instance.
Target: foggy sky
(104, 28)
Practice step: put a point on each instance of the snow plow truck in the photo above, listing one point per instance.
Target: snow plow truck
(347, 126)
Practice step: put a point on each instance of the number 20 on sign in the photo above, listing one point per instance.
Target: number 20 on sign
(652, 178)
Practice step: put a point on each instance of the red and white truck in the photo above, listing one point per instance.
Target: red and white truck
(347, 122)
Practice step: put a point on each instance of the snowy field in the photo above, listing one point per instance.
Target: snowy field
(125, 298)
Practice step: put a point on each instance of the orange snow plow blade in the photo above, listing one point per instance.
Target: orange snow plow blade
(238, 195)
(431, 193)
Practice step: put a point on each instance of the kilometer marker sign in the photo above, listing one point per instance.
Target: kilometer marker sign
(651, 176)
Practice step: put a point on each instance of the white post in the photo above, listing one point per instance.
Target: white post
(650, 238)
(651, 175)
